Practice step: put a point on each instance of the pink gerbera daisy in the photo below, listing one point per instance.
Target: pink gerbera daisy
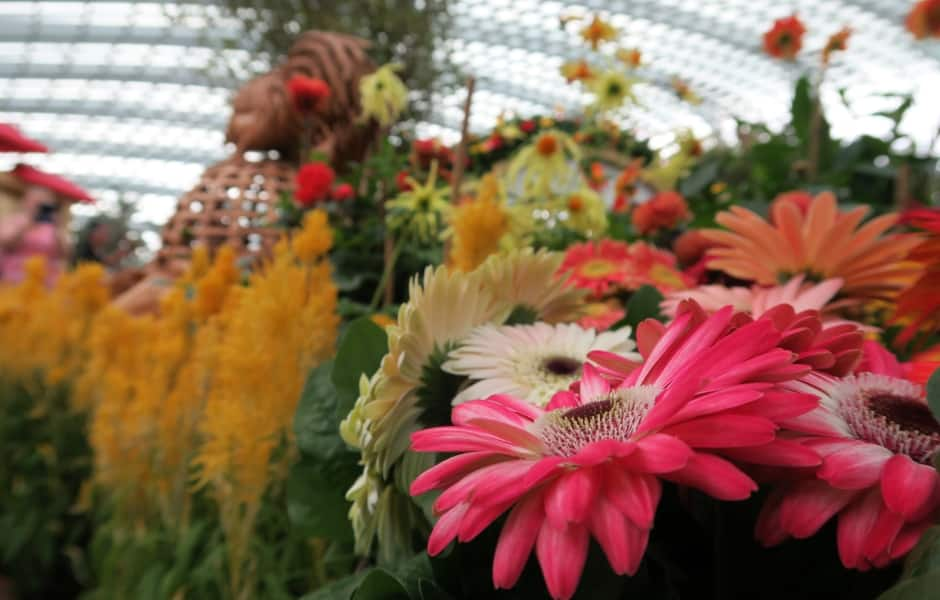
(877, 437)
(590, 464)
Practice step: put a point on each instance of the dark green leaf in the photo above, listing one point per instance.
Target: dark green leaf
(925, 587)
(933, 394)
(359, 353)
(643, 304)
(925, 557)
(704, 174)
(341, 589)
(380, 585)
(430, 591)
(316, 423)
(802, 110)
(316, 497)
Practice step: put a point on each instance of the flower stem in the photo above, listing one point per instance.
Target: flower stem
(386, 273)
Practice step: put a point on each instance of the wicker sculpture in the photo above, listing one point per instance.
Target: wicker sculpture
(235, 200)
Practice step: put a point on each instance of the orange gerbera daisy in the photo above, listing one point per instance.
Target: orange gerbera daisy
(822, 244)
(922, 365)
(919, 305)
(924, 19)
(597, 267)
(785, 38)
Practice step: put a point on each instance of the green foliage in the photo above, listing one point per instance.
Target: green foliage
(359, 353)
(316, 497)
(933, 394)
(643, 304)
(46, 459)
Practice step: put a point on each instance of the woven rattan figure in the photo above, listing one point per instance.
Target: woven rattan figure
(235, 201)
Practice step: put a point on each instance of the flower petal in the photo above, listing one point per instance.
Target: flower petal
(908, 487)
(809, 504)
(569, 498)
(635, 495)
(782, 453)
(657, 453)
(855, 525)
(724, 431)
(855, 466)
(714, 476)
(445, 530)
(622, 541)
(516, 541)
(562, 553)
(450, 471)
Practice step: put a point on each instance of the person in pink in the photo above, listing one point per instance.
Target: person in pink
(32, 231)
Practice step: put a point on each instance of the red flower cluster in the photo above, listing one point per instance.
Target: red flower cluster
(663, 211)
(785, 38)
(314, 184)
(427, 151)
(924, 19)
(308, 95)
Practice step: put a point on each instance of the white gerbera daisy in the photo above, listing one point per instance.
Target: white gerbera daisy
(531, 362)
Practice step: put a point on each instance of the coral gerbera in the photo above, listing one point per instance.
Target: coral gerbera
(590, 464)
(601, 316)
(785, 38)
(597, 266)
(529, 362)
(824, 243)
(918, 306)
(876, 437)
(924, 19)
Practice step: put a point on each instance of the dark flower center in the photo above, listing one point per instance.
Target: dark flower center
(561, 365)
(586, 411)
(907, 414)
(614, 89)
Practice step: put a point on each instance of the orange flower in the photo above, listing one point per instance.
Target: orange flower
(922, 365)
(785, 38)
(625, 185)
(600, 316)
(577, 70)
(918, 306)
(597, 178)
(836, 43)
(924, 19)
(609, 265)
(824, 243)
(799, 198)
(598, 31)
(546, 145)
(663, 211)
(630, 57)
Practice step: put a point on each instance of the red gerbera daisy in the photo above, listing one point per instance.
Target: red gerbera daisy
(876, 437)
(596, 266)
(308, 95)
(313, 183)
(664, 211)
(591, 463)
(785, 38)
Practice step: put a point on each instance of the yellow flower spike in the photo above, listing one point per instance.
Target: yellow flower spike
(383, 95)
(314, 239)
(478, 226)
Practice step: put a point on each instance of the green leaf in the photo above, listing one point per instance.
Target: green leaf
(925, 557)
(704, 174)
(925, 587)
(316, 497)
(380, 585)
(430, 591)
(933, 394)
(802, 110)
(341, 589)
(643, 304)
(360, 351)
(316, 423)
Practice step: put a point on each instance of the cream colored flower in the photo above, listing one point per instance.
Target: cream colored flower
(383, 95)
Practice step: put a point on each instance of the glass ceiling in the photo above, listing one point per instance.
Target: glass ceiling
(132, 96)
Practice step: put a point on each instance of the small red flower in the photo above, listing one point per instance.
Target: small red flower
(401, 180)
(785, 38)
(308, 95)
(343, 191)
(665, 210)
(426, 148)
(527, 126)
(313, 183)
(690, 247)
(597, 177)
(621, 204)
(924, 19)
(493, 143)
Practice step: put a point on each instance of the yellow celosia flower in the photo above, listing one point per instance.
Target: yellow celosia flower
(598, 31)
(611, 90)
(314, 239)
(478, 226)
(383, 95)
(420, 211)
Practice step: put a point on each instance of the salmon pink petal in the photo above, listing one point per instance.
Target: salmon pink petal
(445, 530)
(855, 525)
(657, 453)
(724, 431)
(569, 498)
(516, 541)
(562, 553)
(782, 453)
(622, 542)
(855, 466)
(714, 476)
(809, 504)
(633, 494)
(908, 487)
(451, 470)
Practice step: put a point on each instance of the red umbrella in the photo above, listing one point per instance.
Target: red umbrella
(63, 187)
(11, 140)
